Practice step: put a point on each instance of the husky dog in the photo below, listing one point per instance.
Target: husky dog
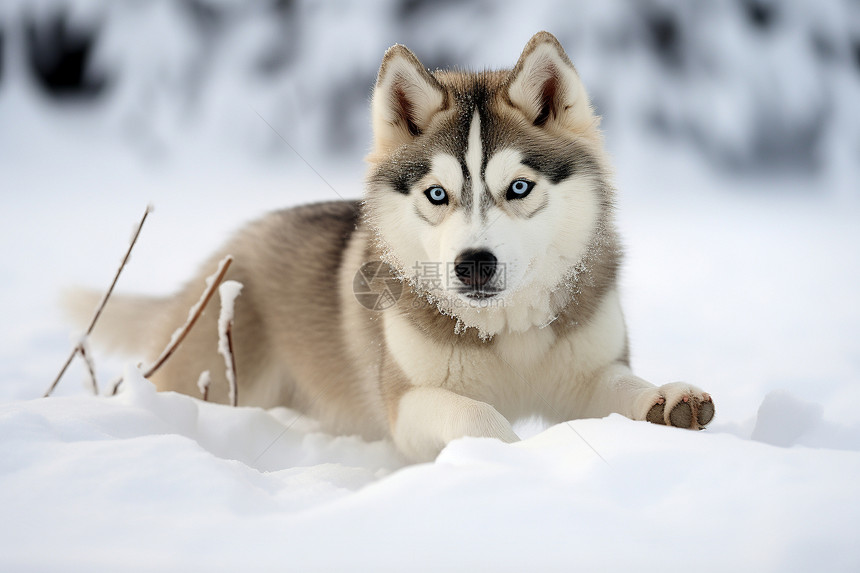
(488, 240)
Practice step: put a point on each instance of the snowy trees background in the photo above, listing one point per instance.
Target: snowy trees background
(751, 85)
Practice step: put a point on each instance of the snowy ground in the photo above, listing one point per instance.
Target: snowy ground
(746, 287)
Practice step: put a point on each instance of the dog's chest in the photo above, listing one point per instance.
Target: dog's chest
(513, 368)
(478, 370)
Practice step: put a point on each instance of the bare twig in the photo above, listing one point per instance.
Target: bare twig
(84, 351)
(193, 314)
(114, 386)
(119, 270)
(62, 371)
(78, 348)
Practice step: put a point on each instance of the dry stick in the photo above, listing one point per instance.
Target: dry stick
(179, 335)
(91, 367)
(234, 387)
(103, 302)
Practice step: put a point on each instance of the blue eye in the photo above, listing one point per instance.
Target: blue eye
(437, 195)
(519, 189)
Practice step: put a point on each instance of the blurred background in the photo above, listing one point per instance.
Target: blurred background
(751, 86)
(734, 126)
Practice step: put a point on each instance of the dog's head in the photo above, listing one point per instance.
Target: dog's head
(487, 189)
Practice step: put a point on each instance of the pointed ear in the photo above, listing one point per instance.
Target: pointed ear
(545, 86)
(405, 99)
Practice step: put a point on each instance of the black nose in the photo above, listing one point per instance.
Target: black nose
(475, 268)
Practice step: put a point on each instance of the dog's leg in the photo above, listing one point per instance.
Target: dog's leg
(428, 418)
(616, 389)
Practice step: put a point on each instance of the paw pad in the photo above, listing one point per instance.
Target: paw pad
(690, 412)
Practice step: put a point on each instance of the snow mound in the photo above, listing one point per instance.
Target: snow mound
(785, 420)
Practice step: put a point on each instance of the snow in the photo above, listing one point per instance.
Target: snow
(165, 481)
(203, 383)
(741, 281)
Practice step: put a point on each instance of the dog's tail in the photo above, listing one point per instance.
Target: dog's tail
(127, 324)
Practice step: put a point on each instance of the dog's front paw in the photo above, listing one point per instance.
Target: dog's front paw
(681, 405)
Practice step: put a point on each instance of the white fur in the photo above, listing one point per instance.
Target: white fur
(445, 171)
(503, 167)
(429, 418)
(538, 253)
(523, 373)
(424, 361)
(557, 369)
(474, 155)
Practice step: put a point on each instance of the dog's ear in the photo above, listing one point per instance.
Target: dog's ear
(405, 99)
(545, 86)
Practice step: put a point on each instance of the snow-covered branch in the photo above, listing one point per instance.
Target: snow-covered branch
(203, 384)
(228, 291)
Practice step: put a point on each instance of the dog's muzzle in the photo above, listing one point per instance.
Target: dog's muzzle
(475, 269)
